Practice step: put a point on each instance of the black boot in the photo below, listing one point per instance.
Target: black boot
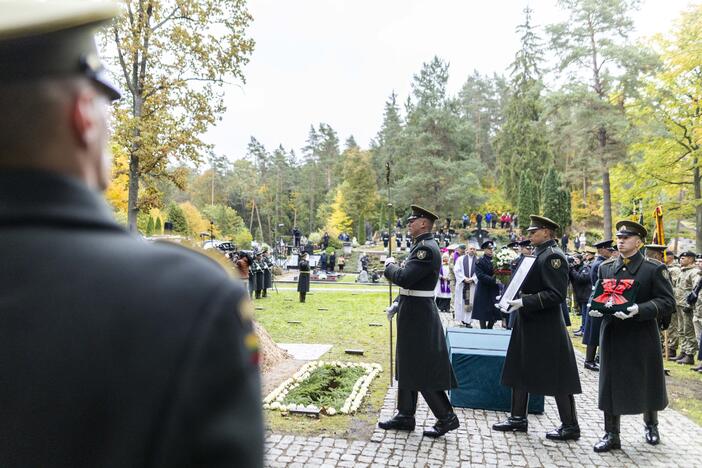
(590, 356)
(569, 429)
(651, 431)
(610, 440)
(265, 293)
(446, 419)
(406, 406)
(517, 422)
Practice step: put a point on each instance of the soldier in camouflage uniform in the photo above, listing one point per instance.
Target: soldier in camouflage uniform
(673, 333)
(683, 287)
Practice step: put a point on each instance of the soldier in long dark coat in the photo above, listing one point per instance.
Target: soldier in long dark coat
(540, 356)
(632, 380)
(103, 363)
(422, 361)
(487, 290)
(267, 264)
(303, 280)
(258, 269)
(591, 329)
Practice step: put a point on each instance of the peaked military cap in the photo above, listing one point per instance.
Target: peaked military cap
(604, 244)
(589, 249)
(541, 222)
(524, 243)
(512, 245)
(487, 245)
(656, 247)
(631, 228)
(52, 38)
(688, 253)
(419, 212)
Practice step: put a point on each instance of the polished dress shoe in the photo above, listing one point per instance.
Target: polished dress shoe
(399, 422)
(442, 426)
(513, 423)
(565, 432)
(578, 333)
(697, 369)
(609, 441)
(652, 435)
(592, 365)
(673, 357)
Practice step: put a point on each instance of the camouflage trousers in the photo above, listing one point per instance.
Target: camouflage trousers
(686, 328)
(673, 331)
(697, 322)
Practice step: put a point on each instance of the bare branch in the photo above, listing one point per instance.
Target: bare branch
(122, 63)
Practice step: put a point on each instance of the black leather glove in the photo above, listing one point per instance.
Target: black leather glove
(691, 298)
(664, 321)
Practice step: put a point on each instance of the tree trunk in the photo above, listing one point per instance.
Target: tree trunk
(133, 195)
(607, 204)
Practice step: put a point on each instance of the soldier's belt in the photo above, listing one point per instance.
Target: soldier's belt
(416, 293)
(304, 272)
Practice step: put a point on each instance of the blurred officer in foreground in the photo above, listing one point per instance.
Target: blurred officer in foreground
(540, 357)
(631, 364)
(114, 352)
(422, 355)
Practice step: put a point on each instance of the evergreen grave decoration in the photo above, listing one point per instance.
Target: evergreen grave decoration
(326, 387)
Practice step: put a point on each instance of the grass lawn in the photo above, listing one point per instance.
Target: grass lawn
(684, 386)
(345, 325)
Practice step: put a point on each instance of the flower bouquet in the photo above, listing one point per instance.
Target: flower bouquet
(502, 262)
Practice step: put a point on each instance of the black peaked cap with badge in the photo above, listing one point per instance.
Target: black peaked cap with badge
(53, 39)
(604, 244)
(524, 243)
(541, 222)
(656, 247)
(630, 228)
(487, 245)
(419, 212)
(688, 253)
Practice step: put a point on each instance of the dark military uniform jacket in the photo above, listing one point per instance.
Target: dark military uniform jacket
(422, 355)
(115, 352)
(267, 264)
(540, 356)
(303, 281)
(486, 291)
(632, 380)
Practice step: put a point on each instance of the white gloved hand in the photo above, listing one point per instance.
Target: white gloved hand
(595, 313)
(392, 310)
(389, 260)
(633, 310)
(514, 305)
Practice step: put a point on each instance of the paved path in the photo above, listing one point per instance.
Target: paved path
(475, 444)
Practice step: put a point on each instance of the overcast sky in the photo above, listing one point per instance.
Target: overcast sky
(337, 61)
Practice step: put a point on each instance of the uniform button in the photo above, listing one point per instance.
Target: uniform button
(624, 268)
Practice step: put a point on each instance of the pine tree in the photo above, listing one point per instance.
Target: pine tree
(555, 199)
(177, 219)
(522, 141)
(150, 227)
(528, 203)
(158, 228)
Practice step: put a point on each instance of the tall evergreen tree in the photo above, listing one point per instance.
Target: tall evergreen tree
(604, 69)
(522, 141)
(528, 203)
(555, 199)
(177, 218)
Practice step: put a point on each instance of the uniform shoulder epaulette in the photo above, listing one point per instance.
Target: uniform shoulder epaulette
(609, 260)
(654, 261)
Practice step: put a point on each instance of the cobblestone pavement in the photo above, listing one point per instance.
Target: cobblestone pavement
(475, 444)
